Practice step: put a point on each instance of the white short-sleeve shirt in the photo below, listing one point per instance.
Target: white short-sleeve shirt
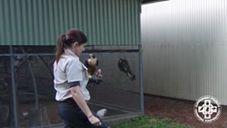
(69, 70)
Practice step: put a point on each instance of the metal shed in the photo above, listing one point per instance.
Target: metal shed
(38, 22)
(28, 34)
(185, 48)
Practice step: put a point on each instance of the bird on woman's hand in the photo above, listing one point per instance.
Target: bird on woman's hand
(91, 63)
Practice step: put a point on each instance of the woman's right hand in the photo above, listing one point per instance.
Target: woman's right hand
(94, 120)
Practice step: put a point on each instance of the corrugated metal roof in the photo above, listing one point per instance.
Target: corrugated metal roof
(39, 22)
(151, 1)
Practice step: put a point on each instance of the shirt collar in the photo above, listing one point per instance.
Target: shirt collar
(70, 52)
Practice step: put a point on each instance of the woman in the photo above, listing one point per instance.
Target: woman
(70, 81)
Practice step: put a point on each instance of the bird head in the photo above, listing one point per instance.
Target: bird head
(92, 60)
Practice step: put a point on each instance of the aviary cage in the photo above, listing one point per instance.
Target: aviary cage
(27, 93)
(29, 29)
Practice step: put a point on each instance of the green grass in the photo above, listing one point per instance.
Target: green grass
(149, 122)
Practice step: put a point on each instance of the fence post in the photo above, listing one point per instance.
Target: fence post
(14, 104)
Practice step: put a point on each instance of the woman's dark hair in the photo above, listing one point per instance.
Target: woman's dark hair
(66, 40)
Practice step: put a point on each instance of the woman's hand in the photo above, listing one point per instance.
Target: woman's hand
(94, 120)
(98, 73)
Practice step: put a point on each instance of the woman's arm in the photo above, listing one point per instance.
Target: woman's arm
(78, 98)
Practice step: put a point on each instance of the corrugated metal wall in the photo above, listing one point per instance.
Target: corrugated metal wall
(185, 48)
(39, 22)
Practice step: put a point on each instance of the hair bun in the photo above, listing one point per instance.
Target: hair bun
(66, 36)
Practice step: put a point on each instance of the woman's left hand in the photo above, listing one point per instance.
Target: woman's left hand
(94, 120)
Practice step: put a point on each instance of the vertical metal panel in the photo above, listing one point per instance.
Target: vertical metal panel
(185, 48)
(39, 22)
(2, 20)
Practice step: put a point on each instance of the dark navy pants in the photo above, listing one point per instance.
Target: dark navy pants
(73, 116)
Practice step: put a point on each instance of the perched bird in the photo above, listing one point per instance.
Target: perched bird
(124, 67)
(91, 63)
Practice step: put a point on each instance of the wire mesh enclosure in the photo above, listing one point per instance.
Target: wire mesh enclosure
(28, 95)
(5, 91)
